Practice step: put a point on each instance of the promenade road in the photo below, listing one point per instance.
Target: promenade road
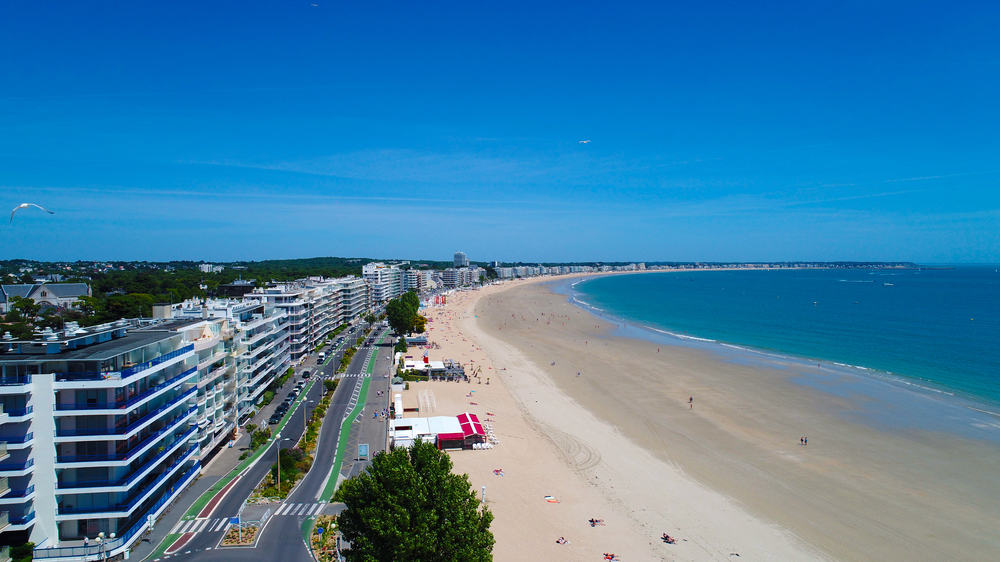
(282, 536)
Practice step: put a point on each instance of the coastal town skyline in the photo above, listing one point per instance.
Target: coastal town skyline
(529, 133)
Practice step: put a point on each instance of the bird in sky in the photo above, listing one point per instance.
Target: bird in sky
(25, 206)
(584, 141)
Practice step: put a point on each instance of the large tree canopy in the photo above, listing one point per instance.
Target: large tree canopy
(401, 312)
(408, 505)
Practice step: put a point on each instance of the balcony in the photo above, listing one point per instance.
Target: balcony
(125, 432)
(15, 443)
(17, 496)
(126, 507)
(15, 415)
(123, 484)
(115, 408)
(113, 547)
(124, 374)
(213, 375)
(20, 523)
(119, 459)
(17, 468)
(15, 384)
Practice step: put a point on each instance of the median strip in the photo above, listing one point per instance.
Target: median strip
(224, 484)
(345, 431)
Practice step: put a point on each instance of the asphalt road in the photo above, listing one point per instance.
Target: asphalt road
(282, 535)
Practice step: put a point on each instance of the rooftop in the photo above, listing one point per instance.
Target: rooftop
(130, 340)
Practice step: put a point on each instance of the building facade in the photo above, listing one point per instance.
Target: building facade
(113, 408)
(385, 282)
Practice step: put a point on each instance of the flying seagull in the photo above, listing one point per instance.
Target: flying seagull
(585, 141)
(25, 206)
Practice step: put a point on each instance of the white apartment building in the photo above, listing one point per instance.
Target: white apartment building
(292, 300)
(385, 282)
(97, 431)
(353, 299)
(461, 260)
(258, 350)
(314, 307)
(462, 277)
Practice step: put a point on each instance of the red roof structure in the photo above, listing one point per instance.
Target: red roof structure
(470, 425)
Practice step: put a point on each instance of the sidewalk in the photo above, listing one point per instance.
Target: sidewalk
(369, 429)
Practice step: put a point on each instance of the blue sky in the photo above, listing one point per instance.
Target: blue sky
(719, 131)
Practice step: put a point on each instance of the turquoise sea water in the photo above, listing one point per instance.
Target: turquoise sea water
(937, 328)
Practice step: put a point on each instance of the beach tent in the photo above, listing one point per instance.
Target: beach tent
(472, 429)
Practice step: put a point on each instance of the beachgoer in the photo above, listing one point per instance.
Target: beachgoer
(691, 402)
(805, 441)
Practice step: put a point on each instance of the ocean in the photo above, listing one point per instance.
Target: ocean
(935, 329)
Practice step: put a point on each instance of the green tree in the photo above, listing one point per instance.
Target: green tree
(412, 300)
(408, 505)
(27, 308)
(399, 316)
(400, 345)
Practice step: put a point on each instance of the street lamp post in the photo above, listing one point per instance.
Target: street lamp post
(277, 442)
(304, 408)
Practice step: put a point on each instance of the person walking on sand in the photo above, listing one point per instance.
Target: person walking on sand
(691, 402)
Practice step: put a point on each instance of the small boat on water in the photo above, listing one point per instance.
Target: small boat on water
(888, 284)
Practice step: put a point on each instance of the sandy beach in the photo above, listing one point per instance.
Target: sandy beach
(604, 425)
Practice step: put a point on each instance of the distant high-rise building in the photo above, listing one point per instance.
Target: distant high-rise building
(461, 260)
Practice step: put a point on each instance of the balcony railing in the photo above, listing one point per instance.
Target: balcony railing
(129, 478)
(124, 373)
(12, 380)
(16, 466)
(16, 412)
(23, 519)
(19, 493)
(134, 449)
(129, 371)
(129, 503)
(128, 428)
(16, 439)
(109, 546)
(118, 405)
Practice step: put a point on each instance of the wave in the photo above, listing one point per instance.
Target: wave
(681, 336)
(855, 281)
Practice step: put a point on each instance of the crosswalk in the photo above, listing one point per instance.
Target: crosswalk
(202, 525)
(346, 375)
(217, 524)
(299, 508)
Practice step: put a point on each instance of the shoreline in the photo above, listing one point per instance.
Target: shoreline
(984, 415)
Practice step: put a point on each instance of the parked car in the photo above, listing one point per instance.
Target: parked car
(305, 374)
(275, 418)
